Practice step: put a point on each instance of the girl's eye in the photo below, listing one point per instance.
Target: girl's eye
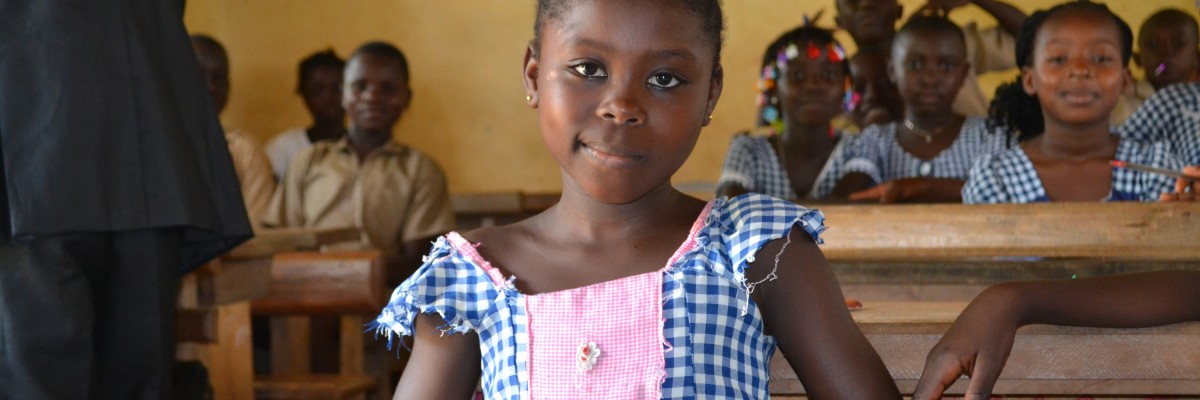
(1056, 59)
(912, 65)
(947, 66)
(664, 80)
(590, 70)
(1101, 59)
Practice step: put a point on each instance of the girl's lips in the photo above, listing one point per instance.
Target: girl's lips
(1079, 97)
(609, 157)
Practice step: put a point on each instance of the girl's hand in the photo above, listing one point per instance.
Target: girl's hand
(908, 189)
(977, 345)
(1186, 189)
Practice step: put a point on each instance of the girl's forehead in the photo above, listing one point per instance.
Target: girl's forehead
(1079, 25)
(628, 25)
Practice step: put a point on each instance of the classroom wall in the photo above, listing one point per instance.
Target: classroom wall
(468, 109)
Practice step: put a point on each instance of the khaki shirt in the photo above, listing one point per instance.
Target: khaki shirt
(253, 172)
(396, 195)
(988, 50)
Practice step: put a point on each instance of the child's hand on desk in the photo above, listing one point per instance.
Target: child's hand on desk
(976, 345)
(1186, 189)
(910, 189)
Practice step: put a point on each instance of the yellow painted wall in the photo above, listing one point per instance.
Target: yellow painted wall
(468, 108)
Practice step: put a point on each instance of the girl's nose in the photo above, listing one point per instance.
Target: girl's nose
(622, 106)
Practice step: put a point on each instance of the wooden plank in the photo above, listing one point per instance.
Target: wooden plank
(196, 325)
(268, 242)
(324, 283)
(229, 281)
(1113, 231)
(1045, 359)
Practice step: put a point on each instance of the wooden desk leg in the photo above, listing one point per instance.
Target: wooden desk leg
(229, 361)
(290, 341)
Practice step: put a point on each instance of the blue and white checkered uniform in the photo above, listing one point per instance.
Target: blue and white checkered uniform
(717, 345)
(1010, 177)
(1171, 115)
(753, 163)
(877, 153)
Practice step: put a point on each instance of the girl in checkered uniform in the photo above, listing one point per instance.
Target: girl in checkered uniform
(627, 288)
(926, 156)
(802, 90)
(1074, 61)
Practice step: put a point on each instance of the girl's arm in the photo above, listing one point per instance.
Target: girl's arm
(804, 309)
(852, 183)
(925, 190)
(979, 342)
(441, 366)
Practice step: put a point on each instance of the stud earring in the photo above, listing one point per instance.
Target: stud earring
(528, 97)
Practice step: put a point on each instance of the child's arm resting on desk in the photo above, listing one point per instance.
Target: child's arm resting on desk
(804, 309)
(979, 342)
(442, 366)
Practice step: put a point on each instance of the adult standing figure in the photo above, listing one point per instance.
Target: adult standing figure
(116, 179)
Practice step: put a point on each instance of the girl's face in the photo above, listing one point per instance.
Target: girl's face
(811, 90)
(1077, 73)
(622, 88)
(929, 68)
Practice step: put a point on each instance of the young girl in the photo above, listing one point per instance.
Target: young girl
(1074, 68)
(803, 88)
(628, 288)
(926, 156)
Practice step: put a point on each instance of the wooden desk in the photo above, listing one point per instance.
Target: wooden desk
(223, 290)
(1045, 359)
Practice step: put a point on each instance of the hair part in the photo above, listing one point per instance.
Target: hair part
(322, 59)
(711, 16)
(385, 50)
(1015, 111)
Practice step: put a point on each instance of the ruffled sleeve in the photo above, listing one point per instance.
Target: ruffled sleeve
(748, 222)
(449, 284)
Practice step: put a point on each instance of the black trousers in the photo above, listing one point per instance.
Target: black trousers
(88, 316)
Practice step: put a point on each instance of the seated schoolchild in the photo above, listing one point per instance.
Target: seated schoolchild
(1167, 54)
(924, 157)
(249, 160)
(320, 86)
(394, 194)
(802, 89)
(1171, 116)
(1074, 69)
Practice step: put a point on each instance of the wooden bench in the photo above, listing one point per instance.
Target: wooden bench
(349, 285)
(948, 253)
(213, 318)
(1045, 359)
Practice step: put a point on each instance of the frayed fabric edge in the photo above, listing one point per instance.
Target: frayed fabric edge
(805, 221)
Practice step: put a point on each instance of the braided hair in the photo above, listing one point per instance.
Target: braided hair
(808, 40)
(1012, 109)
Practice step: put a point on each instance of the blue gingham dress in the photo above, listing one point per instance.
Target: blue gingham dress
(877, 153)
(715, 348)
(1010, 177)
(753, 163)
(1172, 116)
